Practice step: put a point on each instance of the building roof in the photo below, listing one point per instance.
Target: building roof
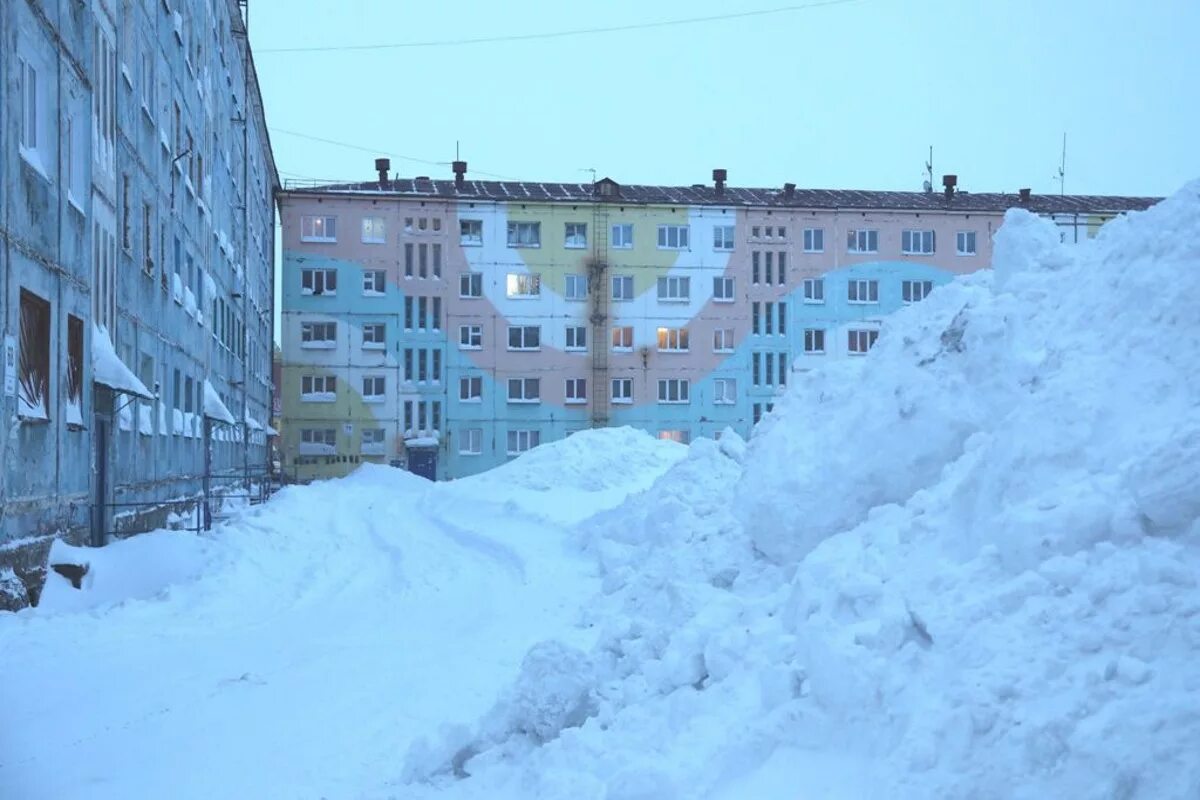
(708, 195)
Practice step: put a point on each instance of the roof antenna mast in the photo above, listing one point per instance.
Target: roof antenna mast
(929, 171)
(1061, 177)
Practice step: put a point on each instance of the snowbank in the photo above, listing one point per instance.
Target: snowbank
(963, 567)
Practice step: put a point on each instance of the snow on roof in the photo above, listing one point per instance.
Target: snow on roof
(421, 441)
(252, 423)
(271, 431)
(213, 407)
(109, 370)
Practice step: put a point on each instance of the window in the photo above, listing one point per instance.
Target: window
(470, 442)
(814, 240)
(470, 232)
(33, 370)
(755, 266)
(372, 441)
(524, 234)
(437, 224)
(622, 338)
(781, 309)
(74, 413)
(524, 390)
(754, 232)
(523, 285)
(814, 290)
(470, 389)
(372, 230)
(782, 267)
(470, 284)
(622, 287)
(422, 366)
(423, 224)
(318, 441)
(437, 259)
(861, 341)
(915, 291)
(768, 267)
(723, 290)
(814, 341)
(622, 390)
(862, 291)
(864, 241)
(524, 337)
(576, 337)
(966, 243)
(31, 103)
(672, 340)
(724, 391)
(318, 388)
(318, 334)
(148, 238)
(470, 337)
(576, 390)
(318, 281)
(755, 318)
(723, 340)
(373, 388)
(422, 260)
(672, 237)
(520, 441)
(374, 335)
(75, 150)
(674, 289)
(318, 229)
(373, 282)
(577, 287)
(723, 237)
(576, 235)
(768, 318)
(673, 390)
(669, 435)
(917, 242)
(408, 260)
(756, 369)
(622, 236)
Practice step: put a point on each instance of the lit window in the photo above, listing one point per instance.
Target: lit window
(520, 284)
(681, 436)
(622, 338)
(672, 340)
(372, 230)
(318, 229)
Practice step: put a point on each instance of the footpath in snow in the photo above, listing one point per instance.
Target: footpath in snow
(964, 566)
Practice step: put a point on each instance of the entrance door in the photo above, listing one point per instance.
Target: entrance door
(100, 436)
(423, 462)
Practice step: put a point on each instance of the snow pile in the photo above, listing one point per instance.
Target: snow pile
(109, 370)
(964, 567)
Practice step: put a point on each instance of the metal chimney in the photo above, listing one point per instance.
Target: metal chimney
(460, 174)
(948, 183)
(719, 176)
(382, 165)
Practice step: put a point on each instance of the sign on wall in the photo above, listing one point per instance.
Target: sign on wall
(10, 365)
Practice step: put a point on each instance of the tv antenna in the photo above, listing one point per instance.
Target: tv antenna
(1061, 177)
(929, 171)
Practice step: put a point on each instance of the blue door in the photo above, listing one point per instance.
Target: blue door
(423, 462)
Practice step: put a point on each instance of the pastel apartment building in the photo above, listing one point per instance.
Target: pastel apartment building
(449, 325)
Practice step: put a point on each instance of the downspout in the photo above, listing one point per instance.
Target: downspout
(244, 344)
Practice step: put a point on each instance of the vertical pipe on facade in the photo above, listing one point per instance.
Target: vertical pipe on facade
(58, 282)
(6, 10)
(244, 345)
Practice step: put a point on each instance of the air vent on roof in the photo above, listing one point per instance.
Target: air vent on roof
(1025, 195)
(789, 191)
(460, 173)
(948, 183)
(719, 176)
(382, 165)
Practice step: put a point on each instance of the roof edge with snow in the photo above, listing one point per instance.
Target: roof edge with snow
(109, 370)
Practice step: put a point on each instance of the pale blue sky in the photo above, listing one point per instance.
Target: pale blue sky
(850, 95)
(841, 96)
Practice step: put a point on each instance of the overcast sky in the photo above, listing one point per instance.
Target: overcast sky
(850, 94)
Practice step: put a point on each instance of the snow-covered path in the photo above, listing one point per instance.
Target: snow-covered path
(328, 630)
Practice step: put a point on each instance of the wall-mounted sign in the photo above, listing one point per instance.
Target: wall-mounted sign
(348, 429)
(10, 365)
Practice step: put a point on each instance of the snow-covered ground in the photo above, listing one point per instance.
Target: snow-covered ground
(963, 567)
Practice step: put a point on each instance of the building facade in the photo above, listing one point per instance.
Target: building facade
(451, 325)
(137, 222)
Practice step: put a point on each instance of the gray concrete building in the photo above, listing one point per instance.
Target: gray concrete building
(137, 192)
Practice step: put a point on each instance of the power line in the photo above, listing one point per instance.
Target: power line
(381, 151)
(521, 37)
